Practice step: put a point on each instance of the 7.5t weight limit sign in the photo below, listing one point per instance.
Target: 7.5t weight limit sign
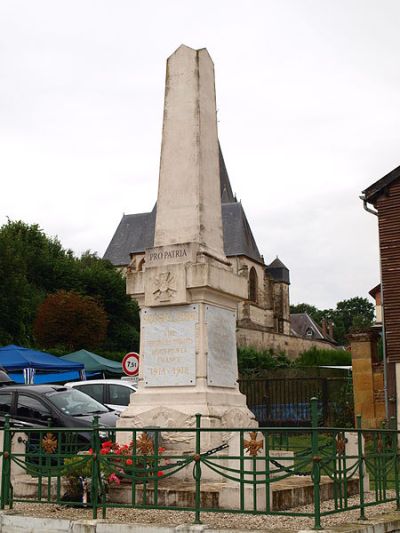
(130, 364)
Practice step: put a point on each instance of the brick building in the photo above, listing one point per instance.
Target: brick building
(384, 196)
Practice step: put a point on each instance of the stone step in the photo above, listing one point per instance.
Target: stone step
(292, 492)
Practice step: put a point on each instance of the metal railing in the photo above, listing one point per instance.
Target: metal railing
(286, 401)
(135, 468)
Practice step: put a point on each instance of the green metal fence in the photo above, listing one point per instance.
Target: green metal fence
(135, 468)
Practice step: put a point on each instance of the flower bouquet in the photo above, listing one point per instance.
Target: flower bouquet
(135, 461)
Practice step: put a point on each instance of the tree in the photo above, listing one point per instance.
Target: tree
(70, 320)
(100, 279)
(30, 265)
(311, 310)
(15, 297)
(33, 265)
(356, 313)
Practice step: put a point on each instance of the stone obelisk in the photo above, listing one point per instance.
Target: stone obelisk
(187, 290)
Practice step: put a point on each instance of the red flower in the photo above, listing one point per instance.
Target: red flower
(129, 462)
(113, 478)
(90, 451)
(105, 451)
(160, 474)
(107, 444)
(161, 449)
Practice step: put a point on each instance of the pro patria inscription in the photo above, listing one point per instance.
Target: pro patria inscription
(174, 253)
(177, 253)
(169, 351)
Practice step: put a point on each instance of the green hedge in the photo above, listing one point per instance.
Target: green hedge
(252, 361)
(318, 357)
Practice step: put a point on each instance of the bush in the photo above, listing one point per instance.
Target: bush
(317, 357)
(70, 320)
(251, 361)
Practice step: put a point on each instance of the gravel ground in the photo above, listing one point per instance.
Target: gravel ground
(215, 520)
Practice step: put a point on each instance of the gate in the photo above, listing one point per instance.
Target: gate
(286, 402)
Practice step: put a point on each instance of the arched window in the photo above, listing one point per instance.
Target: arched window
(253, 285)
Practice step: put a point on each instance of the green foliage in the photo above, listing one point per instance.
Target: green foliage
(100, 279)
(78, 466)
(318, 357)
(355, 314)
(311, 310)
(355, 308)
(343, 415)
(33, 265)
(252, 362)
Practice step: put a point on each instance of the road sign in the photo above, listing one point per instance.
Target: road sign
(130, 364)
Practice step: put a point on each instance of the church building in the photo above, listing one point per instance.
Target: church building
(263, 319)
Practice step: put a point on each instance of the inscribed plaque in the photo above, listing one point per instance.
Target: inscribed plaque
(169, 345)
(222, 356)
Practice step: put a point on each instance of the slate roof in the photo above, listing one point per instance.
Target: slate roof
(278, 271)
(238, 237)
(377, 188)
(227, 195)
(135, 232)
(300, 323)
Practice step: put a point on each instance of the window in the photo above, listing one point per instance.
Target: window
(5, 402)
(75, 403)
(253, 282)
(95, 390)
(120, 395)
(32, 409)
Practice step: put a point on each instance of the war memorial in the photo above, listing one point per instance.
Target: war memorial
(188, 441)
(188, 291)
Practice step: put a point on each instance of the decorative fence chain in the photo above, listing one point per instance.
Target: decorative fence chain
(91, 468)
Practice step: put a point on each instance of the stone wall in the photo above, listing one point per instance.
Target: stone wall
(292, 346)
(367, 379)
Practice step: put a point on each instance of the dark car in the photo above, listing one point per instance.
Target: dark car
(35, 406)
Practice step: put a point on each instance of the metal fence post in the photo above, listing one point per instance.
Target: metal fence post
(6, 470)
(94, 492)
(197, 470)
(316, 459)
(393, 426)
(360, 468)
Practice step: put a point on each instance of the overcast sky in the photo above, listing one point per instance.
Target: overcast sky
(308, 108)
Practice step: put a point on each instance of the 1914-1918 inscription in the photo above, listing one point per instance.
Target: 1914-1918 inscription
(169, 351)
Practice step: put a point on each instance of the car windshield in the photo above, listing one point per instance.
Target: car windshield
(75, 403)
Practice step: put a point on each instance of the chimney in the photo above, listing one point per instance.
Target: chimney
(331, 325)
(324, 330)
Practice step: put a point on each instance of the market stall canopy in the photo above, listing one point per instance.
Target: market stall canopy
(48, 377)
(94, 362)
(16, 358)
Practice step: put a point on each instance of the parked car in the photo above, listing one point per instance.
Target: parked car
(5, 378)
(113, 393)
(33, 406)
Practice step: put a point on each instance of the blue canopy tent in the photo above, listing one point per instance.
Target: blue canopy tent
(16, 360)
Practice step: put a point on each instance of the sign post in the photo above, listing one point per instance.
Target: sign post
(130, 364)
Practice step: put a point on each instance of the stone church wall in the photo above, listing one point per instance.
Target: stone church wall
(263, 340)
